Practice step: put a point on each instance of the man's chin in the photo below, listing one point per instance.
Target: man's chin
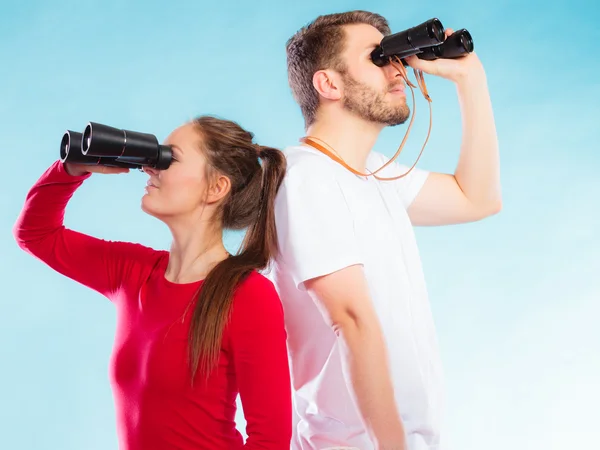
(397, 120)
(394, 124)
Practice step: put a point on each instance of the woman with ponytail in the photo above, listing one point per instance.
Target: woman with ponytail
(195, 325)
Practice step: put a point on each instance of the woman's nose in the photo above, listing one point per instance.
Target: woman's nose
(149, 170)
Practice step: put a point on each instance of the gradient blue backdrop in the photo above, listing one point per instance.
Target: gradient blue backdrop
(514, 297)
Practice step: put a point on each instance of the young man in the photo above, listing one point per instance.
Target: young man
(365, 363)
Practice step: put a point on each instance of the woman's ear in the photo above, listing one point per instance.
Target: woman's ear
(218, 189)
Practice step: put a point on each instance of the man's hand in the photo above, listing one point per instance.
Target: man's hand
(465, 67)
(473, 192)
(344, 301)
(78, 170)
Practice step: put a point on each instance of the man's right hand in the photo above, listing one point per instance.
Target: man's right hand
(78, 170)
(344, 300)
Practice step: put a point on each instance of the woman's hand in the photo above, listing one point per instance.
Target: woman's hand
(78, 170)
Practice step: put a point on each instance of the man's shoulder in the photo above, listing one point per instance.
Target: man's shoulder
(301, 156)
(377, 159)
(307, 164)
(304, 157)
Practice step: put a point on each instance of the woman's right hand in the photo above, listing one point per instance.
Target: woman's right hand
(77, 170)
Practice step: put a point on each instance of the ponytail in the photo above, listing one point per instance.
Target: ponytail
(262, 234)
(212, 310)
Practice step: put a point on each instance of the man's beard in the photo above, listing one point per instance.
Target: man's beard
(371, 105)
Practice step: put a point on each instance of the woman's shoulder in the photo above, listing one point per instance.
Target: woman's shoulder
(256, 308)
(256, 283)
(256, 292)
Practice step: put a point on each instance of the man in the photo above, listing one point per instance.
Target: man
(365, 363)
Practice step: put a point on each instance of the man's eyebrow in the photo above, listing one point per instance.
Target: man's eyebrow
(371, 47)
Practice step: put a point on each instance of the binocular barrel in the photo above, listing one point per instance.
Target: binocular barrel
(458, 44)
(426, 40)
(104, 145)
(70, 151)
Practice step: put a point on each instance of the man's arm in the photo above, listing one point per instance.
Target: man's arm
(343, 299)
(473, 192)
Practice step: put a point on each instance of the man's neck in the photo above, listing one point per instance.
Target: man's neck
(351, 137)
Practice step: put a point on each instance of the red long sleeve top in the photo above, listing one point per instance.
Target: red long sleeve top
(156, 405)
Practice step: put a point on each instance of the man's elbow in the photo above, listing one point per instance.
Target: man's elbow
(489, 209)
(348, 322)
(494, 207)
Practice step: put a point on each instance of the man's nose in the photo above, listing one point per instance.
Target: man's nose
(392, 73)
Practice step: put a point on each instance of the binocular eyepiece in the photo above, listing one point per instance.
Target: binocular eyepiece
(107, 146)
(426, 41)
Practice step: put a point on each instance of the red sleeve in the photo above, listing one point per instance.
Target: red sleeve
(258, 340)
(98, 264)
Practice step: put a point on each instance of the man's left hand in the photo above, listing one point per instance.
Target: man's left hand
(457, 70)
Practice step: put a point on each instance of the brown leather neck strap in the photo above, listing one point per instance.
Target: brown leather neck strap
(324, 148)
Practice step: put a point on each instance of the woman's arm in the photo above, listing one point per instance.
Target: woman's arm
(98, 264)
(258, 339)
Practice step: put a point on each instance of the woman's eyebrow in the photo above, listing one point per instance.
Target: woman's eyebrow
(176, 147)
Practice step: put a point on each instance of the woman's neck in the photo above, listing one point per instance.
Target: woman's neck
(194, 252)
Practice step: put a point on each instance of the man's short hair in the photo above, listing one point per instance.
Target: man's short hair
(318, 46)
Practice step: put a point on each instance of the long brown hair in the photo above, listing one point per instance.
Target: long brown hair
(230, 151)
(317, 46)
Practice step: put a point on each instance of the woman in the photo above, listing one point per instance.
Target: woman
(195, 325)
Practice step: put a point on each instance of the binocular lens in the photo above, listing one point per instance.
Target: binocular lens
(435, 32)
(64, 146)
(70, 147)
(86, 140)
(467, 41)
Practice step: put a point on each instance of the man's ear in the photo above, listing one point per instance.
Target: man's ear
(328, 84)
(219, 188)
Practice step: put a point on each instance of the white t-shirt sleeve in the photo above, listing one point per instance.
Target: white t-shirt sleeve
(315, 228)
(409, 186)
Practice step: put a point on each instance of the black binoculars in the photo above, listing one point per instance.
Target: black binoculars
(426, 41)
(107, 146)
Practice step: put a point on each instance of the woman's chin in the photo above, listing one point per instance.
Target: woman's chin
(148, 207)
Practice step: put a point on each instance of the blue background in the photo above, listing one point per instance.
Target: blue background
(514, 297)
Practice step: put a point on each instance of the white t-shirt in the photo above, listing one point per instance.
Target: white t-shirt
(329, 219)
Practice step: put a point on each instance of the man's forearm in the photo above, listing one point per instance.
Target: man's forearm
(478, 170)
(366, 368)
